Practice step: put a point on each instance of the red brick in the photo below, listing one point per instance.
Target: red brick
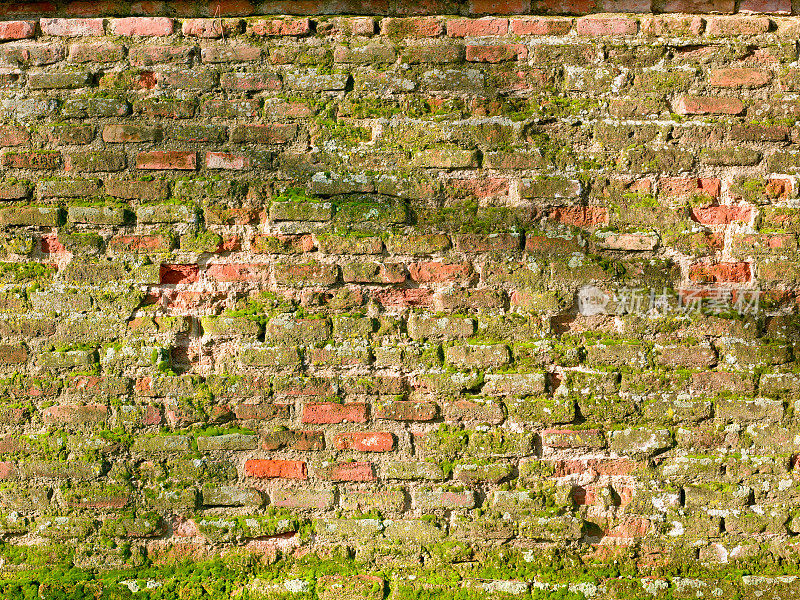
(705, 105)
(564, 7)
(268, 469)
(348, 471)
(142, 26)
(499, 7)
(209, 28)
(601, 466)
(540, 26)
(732, 272)
(130, 133)
(721, 215)
(738, 25)
(140, 243)
(75, 415)
(679, 187)
(90, 8)
(405, 298)
(227, 160)
(32, 160)
(72, 27)
(374, 441)
(271, 27)
(145, 56)
(496, 53)
(741, 77)
(627, 6)
(580, 216)
(49, 244)
(332, 412)
(600, 26)
(434, 271)
(167, 159)
(237, 8)
(282, 244)
(238, 272)
(411, 28)
(8, 470)
(13, 136)
(487, 26)
(261, 412)
(775, 7)
(17, 30)
(171, 274)
(700, 6)
(669, 25)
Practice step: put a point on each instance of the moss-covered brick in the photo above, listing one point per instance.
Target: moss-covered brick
(76, 108)
(666, 160)
(472, 473)
(41, 216)
(161, 107)
(43, 160)
(74, 470)
(641, 442)
(160, 499)
(301, 211)
(165, 213)
(422, 327)
(231, 495)
(546, 411)
(231, 441)
(446, 158)
(275, 133)
(299, 331)
(98, 215)
(236, 327)
(373, 272)
(93, 162)
(478, 356)
(67, 188)
(144, 525)
(550, 528)
(158, 444)
(59, 80)
(64, 527)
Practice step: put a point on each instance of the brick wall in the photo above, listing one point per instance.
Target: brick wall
(435, 306)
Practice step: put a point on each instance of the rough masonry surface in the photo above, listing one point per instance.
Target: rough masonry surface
(400, 305)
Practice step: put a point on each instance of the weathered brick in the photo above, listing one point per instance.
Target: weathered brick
(275, 133)
(411, 27)
(487, 26)
(269, 469)
(280, 27)
(71, 27)
(142, 26)
(32, 160)
(706, 105)
(364, 442)
(93, 162)
(16, 30)
(99, 52)
(167, 159)
(334, 413)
